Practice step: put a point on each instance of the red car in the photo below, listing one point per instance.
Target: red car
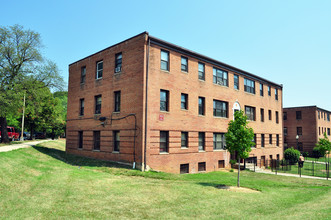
(11, 134)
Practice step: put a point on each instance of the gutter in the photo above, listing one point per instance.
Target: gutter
(146, 103)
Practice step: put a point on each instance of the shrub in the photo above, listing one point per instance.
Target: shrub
(231, 170)
(305, 154)
(233, 162)
(292, 155)
(317, 153)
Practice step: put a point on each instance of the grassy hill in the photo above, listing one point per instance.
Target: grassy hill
(43, 182)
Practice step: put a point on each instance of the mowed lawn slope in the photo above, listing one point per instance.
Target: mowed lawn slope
(44, 183)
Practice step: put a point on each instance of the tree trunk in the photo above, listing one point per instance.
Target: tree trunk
(4, 133)
(238, 183)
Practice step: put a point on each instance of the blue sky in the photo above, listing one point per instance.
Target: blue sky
(287, 42)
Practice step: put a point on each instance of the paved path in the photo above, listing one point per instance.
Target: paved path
(18, 146)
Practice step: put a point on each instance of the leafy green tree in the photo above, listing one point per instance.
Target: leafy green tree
(20, 58)
(324, 145)
(239, 138)
(292, 155)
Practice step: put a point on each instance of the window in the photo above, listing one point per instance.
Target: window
(319, 130)
(202, 166)
(184, 101)
(270, 138)
(220, 109)
(277, 117)
(80, 139)
(299, 130)
(276, 94)
(184, 168)
(262, 140)
(285, 131)
(81, 107)
(328, 117)
(220, 77)
(219, 141)
(329, 131)
(277, 140)
(96, 140)
(201, 71)
(201, 106)
(284, 116)
(118, 62)
(184, 140)
(319, 114)
(97, 104)
(262, 114)
(117, 104)
(269, 90)
(298, 115)
(221, 164)
(164, 60)
(164, 100)
(116, 136)
(249, 86)
(201, 141)
(164, 141)
(254, 141)
(250, 113)
(236, 81)
(99, 70)
(261, 89)
(83, 74)
(184, 66)
(270, 116)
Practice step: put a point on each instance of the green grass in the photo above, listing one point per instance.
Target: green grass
(321, 159)
(44, 183)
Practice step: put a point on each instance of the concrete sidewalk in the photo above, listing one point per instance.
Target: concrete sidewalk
(22, 145)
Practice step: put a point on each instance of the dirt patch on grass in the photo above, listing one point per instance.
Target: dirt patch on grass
(237, 189)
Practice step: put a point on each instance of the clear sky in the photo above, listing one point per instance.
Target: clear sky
(287, 42)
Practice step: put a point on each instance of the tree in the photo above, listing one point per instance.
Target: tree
(20, 58)
(239, 138)
(324, 145)
(292, 155)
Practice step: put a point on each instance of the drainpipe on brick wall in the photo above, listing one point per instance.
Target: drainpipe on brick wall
(146, 106)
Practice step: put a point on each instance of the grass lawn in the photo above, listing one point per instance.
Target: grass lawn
(321, 159)
(44, 183)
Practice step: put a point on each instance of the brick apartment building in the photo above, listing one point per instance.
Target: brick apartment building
(308, 124)
(179, 101)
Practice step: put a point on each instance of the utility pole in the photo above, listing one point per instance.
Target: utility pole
(22, 131)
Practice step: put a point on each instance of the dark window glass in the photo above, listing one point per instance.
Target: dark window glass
(164, 100)
(81, 107)
(328, 117)
(220, 109)
(202, 166)
(201, 71)
(249, 86)
(164, 60)
(262, 140)
(261, 89)
(201, 106)
(164, 141)
(184, 66)
(298, 115)
(329, 131)
(184, 139)
(319, 117)
(96, 140)
(99, 70)
(270, 138)
(277, 139)
(201, 141)
(277, 117)
(299, 130)
(269, 90)
(276, 94)
(80, 139)
(116, 136)
(98, 104)
(262, 114)
(184, 101)
(285, 131)
(184, 168)
(270, 116)
(284, 116)
(83, 74)
(250, 113)
(118, 62)
(219, 141)
(220, 77)
(117, 104)
(236, 81)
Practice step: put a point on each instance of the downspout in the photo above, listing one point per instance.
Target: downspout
(146, 106)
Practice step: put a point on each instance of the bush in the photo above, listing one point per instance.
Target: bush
(317, 153)
(292, 155)
(305, 154)
(231, 170)
(233, 162)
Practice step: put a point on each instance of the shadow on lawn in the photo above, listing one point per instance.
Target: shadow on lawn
(215, 185)
(78, 160)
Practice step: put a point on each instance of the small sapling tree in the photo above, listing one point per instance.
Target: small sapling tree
(239, 138)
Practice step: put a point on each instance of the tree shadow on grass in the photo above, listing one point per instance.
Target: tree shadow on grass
(75, 160)
(215, 185)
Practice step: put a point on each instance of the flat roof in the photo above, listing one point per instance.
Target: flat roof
(309, 106)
